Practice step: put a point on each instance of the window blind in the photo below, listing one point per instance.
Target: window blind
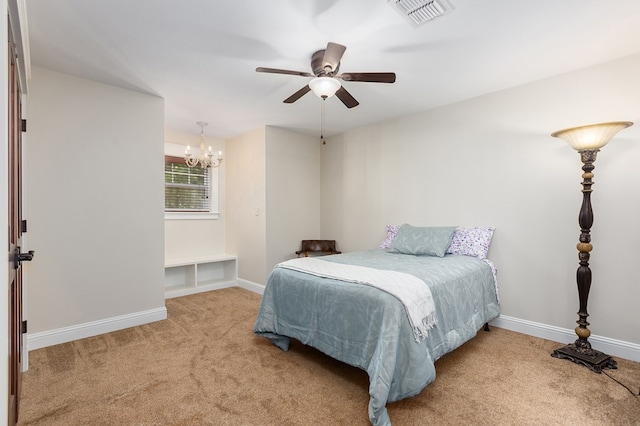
(187, 189)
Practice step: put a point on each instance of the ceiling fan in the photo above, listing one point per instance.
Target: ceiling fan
(325, 64)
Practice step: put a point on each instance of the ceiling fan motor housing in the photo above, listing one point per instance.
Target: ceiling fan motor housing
(319, 67)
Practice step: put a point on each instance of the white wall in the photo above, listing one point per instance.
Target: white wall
(491, 161)
(196, 238)
(246, 204)
(273, 198)
(293, 193)
(96, 194)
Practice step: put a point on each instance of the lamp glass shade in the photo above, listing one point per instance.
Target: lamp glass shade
(592, 136)
(324, 87)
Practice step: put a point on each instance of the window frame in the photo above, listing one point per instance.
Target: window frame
(213, 212)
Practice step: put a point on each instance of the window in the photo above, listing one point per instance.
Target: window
(189, 190)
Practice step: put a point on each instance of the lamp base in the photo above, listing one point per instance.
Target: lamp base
(596, 361)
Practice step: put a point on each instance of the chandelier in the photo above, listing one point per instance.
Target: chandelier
(206, 157)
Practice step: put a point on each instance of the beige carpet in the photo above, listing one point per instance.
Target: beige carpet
(204, 366)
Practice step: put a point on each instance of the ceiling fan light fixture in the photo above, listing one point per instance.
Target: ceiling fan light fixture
(419, 12)
(324, 87)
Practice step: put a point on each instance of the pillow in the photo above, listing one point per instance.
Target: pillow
(471, 241)
(424, 241)
(391, 234)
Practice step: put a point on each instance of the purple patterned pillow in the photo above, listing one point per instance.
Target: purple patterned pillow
(392, 230)
(471, 241)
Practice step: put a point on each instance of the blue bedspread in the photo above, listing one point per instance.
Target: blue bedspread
(368, 328)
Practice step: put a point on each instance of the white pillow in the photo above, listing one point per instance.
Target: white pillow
(471, 241)
(392, 230)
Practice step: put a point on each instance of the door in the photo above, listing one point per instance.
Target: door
(14, 128)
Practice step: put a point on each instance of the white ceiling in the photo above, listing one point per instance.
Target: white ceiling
(201, 55)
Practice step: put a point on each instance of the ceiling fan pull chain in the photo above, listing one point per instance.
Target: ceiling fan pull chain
(322, 121)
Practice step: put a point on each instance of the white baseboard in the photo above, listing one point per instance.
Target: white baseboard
(613, 347)
(81, 331)
(171, 293)
(251, 286)
(94, 328)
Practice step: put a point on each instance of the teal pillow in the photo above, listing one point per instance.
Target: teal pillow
(423, 241)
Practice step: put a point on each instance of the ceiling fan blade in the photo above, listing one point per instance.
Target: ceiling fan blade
(346, 98)
(279, 71)
(291, 99)
(371, 77)
(332, 55)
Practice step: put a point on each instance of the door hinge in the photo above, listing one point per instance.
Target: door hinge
(24, 327)
(24, 125)
(23, 227)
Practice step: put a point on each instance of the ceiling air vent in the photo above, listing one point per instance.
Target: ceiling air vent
(419, 12)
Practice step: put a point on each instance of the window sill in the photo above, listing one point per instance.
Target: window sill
(191, 216)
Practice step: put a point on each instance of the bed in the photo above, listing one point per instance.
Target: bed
(359, 322)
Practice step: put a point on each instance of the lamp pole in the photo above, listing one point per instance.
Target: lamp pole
(580, 351)
(587, 140)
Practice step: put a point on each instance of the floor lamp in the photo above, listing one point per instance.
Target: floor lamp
(587, 140)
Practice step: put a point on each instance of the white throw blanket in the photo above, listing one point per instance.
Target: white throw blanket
(408, 289)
